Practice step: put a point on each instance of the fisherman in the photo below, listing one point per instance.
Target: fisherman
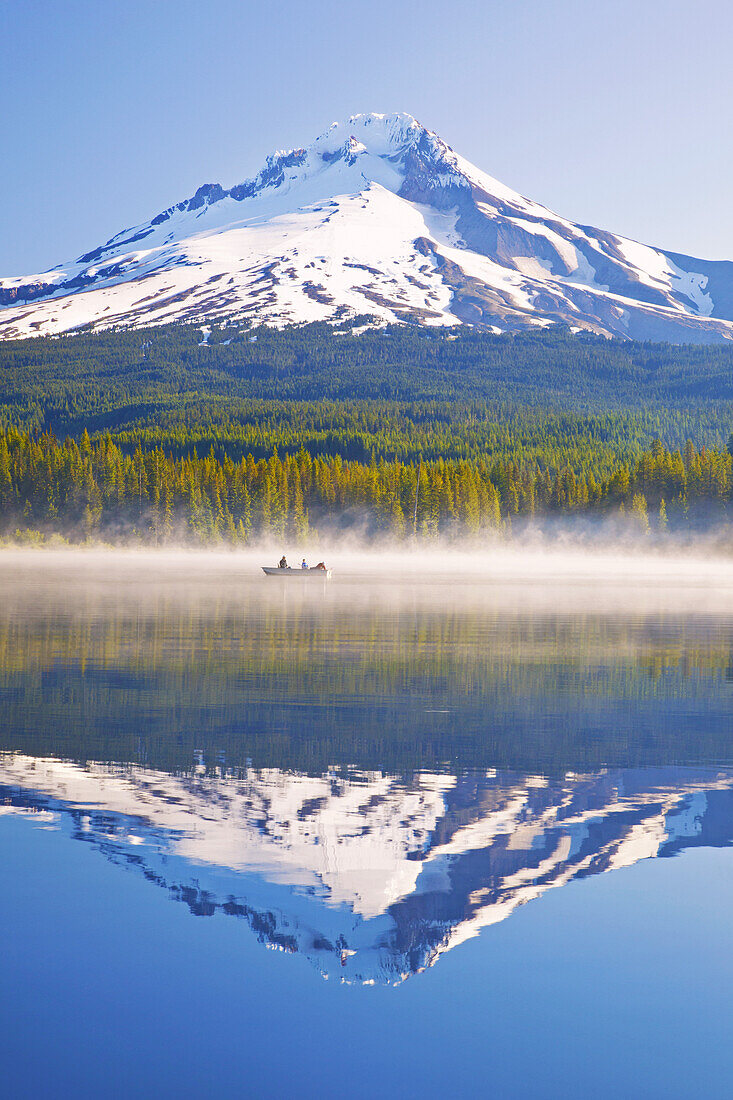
(282, 564)
(304, 564)
(322, 566)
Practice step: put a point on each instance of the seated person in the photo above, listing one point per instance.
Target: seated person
(282, 564)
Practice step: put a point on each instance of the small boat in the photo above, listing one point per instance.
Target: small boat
(314, 571)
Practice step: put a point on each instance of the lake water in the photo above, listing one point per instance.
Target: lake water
(406, 833)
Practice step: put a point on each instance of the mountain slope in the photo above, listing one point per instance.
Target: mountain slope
(378, 216)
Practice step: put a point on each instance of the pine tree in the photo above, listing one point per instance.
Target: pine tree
(638, 512)
(663, 523)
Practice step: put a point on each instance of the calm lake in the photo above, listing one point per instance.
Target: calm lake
(411, 832)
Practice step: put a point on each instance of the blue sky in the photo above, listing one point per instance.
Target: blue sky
(613, 114)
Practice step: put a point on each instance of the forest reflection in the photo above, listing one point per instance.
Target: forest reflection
(390, 674)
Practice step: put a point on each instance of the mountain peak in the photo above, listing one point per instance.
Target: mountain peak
(380, 133)
(377, 216)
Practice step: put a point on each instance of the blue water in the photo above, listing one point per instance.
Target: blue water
(208, 883)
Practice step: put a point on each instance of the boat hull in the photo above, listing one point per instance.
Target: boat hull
(275, 571)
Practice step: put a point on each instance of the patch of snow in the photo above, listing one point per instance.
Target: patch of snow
(533, 266)
(650, 265)
(691, 284)
(584, 274)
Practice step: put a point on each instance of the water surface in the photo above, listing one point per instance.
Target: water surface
(446, 804)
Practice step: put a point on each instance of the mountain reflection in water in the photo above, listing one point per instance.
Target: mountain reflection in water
(369, 875)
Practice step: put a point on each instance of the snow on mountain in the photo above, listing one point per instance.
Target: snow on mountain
(380, 217)
(371, 876)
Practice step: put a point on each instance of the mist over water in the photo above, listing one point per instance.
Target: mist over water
(400, 660)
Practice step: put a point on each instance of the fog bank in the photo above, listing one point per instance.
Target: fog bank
(496, 579)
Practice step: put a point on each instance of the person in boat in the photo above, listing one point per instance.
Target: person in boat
(282, 564)
(304, 564)
(321, 566)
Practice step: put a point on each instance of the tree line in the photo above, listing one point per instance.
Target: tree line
(96, 489)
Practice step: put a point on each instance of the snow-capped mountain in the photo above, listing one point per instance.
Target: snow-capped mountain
(380, 217)
(371, 876)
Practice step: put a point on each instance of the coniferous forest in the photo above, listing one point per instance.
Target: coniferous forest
(167, 436)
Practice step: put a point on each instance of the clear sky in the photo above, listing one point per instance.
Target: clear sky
(615, 114)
